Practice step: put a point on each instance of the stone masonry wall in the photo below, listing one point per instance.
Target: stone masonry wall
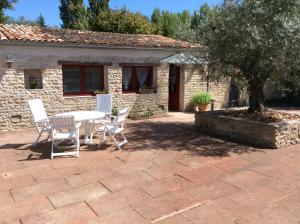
(195, 80)
(14, 96)
(270, 135)
(140, 104)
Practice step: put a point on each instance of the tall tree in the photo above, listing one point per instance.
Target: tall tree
(5, 4)
(73, 14)
(257, 39)
(95, 8)
(156, 21)
(41, 21)
(122, 21)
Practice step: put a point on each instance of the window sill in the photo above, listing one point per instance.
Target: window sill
(78, 96)
(137, 94)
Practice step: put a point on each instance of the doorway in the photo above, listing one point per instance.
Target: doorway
(174, 87)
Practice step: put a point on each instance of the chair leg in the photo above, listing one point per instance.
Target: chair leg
(38, 138)
(78, 146)
(113, 137)
(125, 139)
(52, 149)
(102, 139)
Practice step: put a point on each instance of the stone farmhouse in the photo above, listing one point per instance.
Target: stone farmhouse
(148, 74)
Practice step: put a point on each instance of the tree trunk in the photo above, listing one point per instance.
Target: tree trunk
(256, 96)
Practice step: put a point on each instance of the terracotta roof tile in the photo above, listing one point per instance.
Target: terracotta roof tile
(21, 33)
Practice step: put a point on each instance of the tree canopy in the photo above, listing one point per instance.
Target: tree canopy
(41, 21)
(5, 4)
(257, 39)
(73, 14)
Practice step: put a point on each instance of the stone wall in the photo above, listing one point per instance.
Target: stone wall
(14, 96)
(194, 79)
(269, 135)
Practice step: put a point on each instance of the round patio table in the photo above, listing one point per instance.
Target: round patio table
(86, 118)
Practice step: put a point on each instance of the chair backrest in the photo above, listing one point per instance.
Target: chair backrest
(37, 110)
(121, 117)
(62, 123)
(104, 103)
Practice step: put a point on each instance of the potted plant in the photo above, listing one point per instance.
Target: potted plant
(202, 99)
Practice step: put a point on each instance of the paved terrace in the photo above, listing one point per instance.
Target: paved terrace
(168, 174)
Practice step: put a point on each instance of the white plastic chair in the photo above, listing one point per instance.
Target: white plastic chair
(114, 127)
(64, 128)
(104, 103)
(40, 118)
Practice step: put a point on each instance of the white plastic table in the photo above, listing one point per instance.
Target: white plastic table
(85, 117)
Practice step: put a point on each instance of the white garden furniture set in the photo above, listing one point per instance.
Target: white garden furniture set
(65, 127)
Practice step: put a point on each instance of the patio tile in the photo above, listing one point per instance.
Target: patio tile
(90, 177)
(25, 172)
(75, 214)
(177, 219)
(25, 208)
(218, 211)
(76, 195)
(196, 162)
(117, 183)
(42, 189)
(5, 199)
(6, 166)
(246, 179)
(151, 210)
(167, 170)
(57, 174)
(24, 181)
(203, 175)
(134, 166)
(109, 203)
(127, 216)
(167, 185)
(286, 211)
(105, 164)
(257, 197)
(212, 191)
(234, 165)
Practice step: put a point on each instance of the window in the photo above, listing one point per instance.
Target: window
(137, 79)
(33, 79)
(82, 80)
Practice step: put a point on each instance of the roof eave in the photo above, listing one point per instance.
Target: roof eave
(89, 46)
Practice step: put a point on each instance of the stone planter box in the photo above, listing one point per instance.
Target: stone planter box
(269, 135)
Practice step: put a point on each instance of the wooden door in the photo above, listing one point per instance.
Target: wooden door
(174, 87)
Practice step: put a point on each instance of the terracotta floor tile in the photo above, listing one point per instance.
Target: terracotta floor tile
(127, 216)
(76, 195)
(19, 182)
(257, 197)
(203, 175)
(177, 219)
(234, 165)
(118, 183)
(5, 198)
(24, 208)
(109, 203)
(167, 185)
(167, 170)
(42, 189)
(90, 177)
(73, 214)
(134, 166)
(211, 191)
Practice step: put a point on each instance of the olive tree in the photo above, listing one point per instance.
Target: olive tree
(257, 39)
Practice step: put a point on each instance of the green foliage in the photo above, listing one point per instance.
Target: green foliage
(5, 4)
(95, 8)
(148, 113)
(41, 21)
(202, 98)
(73, 14)
(258, 40)
(21, 21)
(115, 111)
(122, 21)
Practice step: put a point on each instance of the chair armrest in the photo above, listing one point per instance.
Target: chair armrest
(78, 125)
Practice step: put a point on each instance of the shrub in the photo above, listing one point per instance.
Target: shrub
(202, 98)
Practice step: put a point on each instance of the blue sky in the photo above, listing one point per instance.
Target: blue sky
(49, 8)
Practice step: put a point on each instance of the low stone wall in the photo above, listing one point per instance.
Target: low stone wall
(270, 135)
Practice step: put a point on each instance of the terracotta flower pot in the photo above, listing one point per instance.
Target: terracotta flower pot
(202, 107)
